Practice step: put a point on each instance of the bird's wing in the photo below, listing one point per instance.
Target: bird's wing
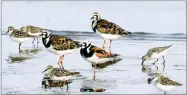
(59, 73)
(167, 81)
(20, 34)
(159, 49)
(64, 43)
(108, 27)
(101, 53)
(33, 29)
(62, 72)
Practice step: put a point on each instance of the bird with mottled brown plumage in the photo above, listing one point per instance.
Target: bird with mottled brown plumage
(34, 31)
(155, 53)
(18, 36)
(163, 83)
(60, 45)
(107, 29)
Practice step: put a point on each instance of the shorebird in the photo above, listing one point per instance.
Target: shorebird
(156, 53)
(163, 83)
(95, 55)
(34, 31)
(59, 74)
(18, 36)
(106, 29)
(59, 45)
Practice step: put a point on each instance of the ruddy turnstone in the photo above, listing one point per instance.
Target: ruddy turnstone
(59, 45)
(106, 29)
(18, 36)
(59, 74)
(163, 83)
(95, 55)
(34, 31)
(155, 53)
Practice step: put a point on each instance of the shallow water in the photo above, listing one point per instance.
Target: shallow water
(124, 77)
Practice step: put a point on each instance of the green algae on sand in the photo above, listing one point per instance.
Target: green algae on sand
(32, 50)
(18, 58)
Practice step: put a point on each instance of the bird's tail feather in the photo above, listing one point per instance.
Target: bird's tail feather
(127, 33)
(78, 43)
(169, 46)
(115, 55)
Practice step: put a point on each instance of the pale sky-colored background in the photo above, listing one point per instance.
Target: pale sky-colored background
(137, 16)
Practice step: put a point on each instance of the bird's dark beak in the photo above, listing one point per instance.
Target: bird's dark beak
(91, 18)
(45, 70)
(6, 32)
(149, 80)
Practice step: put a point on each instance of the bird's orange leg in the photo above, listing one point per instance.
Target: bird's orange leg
(94, 71)
(61, 61)
(103, 44)
(110, 46)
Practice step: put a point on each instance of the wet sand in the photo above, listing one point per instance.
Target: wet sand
(124, 77)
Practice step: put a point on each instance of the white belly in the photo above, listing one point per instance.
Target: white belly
(60, 52)
(61, 78)
(164, 88)
(96, 60)
(108, 36)
(34, 34)
(19, 40)
(157, 55)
